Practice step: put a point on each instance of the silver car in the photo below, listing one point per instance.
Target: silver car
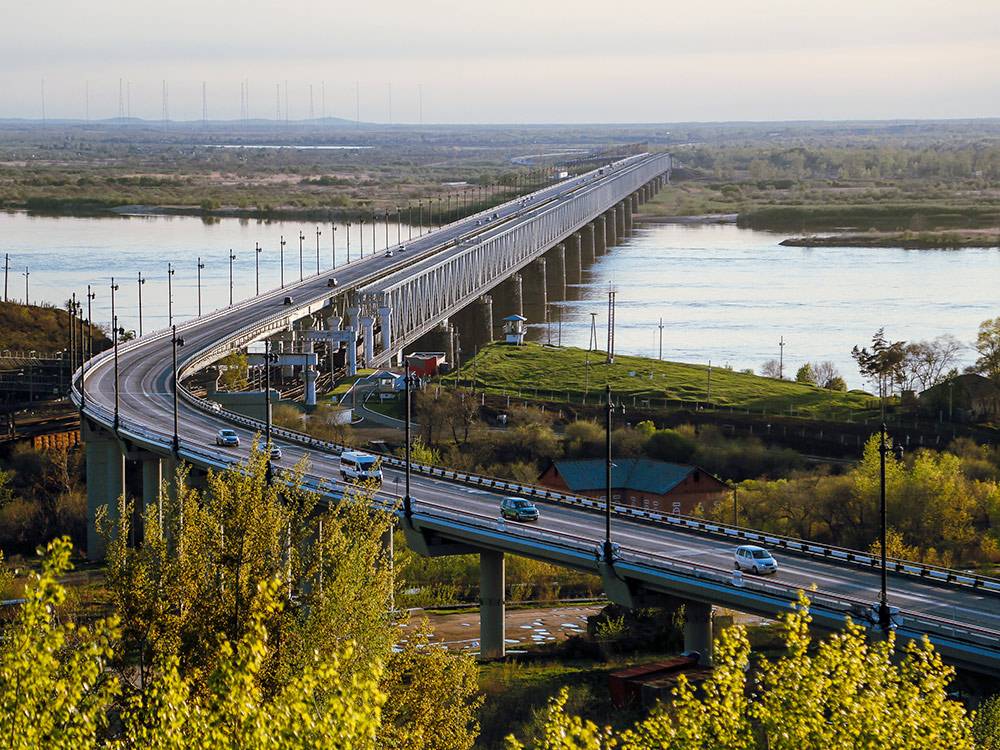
(754, 559)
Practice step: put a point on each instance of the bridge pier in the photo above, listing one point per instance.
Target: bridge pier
(574, 259)
(368, 327)
(517, 294)
(610, 237)
(352, 352)
(105, 484)
(309, 378)
(698, 629)
(440, 339)
(620, 229)
(385, 323)
(491, 605)
(627, 209)
(634, 198)
(557, 272)
(537, 298)
(600, 235)
(484, 319)
(587, 245)
(152, 479)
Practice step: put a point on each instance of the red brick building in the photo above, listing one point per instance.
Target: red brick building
(657, 486)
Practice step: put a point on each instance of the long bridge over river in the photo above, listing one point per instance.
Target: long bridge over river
(381, 306)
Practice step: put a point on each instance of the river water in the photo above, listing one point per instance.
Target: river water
(725, 295)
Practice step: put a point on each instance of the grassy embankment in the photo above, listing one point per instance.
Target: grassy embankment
(40, 328)
(560, 374)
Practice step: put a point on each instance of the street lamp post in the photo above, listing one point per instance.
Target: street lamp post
(114, 338)
(407, 500)
(420, 217)
(333, 244)
(269, 472)
(387, 229)
(282, 260)
(884, 614)
(256, 268)
(608, 547)
(232, 257)
(409, 220)
(374, 240)
(201, 266)
(87, 351)
(348, 242)
(142, 282)
(302, 238)
(170, 294)
(26, 274)
(361, 238)
(399, 226)
(318, 233)
(176, 341)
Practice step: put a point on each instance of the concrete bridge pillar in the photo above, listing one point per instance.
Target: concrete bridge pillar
(286, 345)
(587, 244)
(610, 235)
(517, 294)
(105, 484)
(368, 333)
(634, 198)
(309, 378)
(385, 322)
(484, 318)
(152, 479)
(574, 258)
(698, 629)
(557, 272)
(600, 235)
(354, 317)
(441, 339)
(352, 353)
(620, 229)
(537, 281)
(627, 207)
(491, 605)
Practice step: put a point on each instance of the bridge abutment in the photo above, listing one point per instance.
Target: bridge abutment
(105, 484)
(491, 605)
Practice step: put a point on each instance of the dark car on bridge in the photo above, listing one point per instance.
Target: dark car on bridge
(518, 509)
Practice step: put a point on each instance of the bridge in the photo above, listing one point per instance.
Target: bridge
(380, 305)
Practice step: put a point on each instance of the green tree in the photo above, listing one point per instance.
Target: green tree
(670, 445)
(986, 724)
(55, 691)
(815, 696)
(234, 371)
(805, 374)
(883, 365)
(988, 347)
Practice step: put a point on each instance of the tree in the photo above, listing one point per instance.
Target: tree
(836, 383)
(670, 445)
(815, 696)
(584, 439)
(234, 370)
(771, 369)
(927, 363)
(986, 724)
(826, 372)
(883, 365)
(805, 374)
(55, 691)
(988, 346)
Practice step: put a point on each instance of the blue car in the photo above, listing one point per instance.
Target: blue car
(518, 509)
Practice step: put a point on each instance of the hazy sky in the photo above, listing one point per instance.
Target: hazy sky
(510, 61)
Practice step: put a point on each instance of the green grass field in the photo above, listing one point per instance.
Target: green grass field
(563, 374)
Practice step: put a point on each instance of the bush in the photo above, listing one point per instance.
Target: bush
(670, 445)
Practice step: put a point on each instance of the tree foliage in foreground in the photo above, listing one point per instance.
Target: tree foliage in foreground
(844, 692)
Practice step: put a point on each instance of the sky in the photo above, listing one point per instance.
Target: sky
(517, 61)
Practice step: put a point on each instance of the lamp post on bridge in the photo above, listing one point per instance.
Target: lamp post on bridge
(387, 229)
(361, 238)
(170, 294)
(201, 267)
(609, 411)
(268, 358)
(318, 233)
(409, 219)
(374, 219)
(302, 238)
(114, 340)
(407, 499)
(232, 257)
(348, 242)
(420, 217)
(399, 226)
(333, 244)
(281, 246)
(175, 342)
(142, 282)
(86, 350)
(257, 250)
(884, 613)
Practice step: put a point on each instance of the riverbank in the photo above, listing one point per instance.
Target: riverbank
(982, 238)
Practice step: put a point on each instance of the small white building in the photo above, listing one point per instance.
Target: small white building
(514, 329)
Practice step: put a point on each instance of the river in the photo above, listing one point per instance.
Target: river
(725, 294)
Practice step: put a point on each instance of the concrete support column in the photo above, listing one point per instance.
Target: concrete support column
(491, 605)
(352, 352)
(368, 332)
(441, 339)
(309, 378)
(105, 485)
(627, 209)
(484, 318)
(634, 198)
(286, 345)
(600, 235)
(152, 478)
(517, 294)
(698, 629)
(385, 321)
(587, 246)
(611, 236)
(538, 282)
(556, 272)
(620, 228)
(574, 259)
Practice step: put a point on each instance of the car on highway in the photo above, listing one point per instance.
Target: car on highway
(288, 300)
(332, 281)
(261, 446)
(356, 466)
(401, 248)
(227, 437)
(754, 559)
(518, 509)
(388, 252)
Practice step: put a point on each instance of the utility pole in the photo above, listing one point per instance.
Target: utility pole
(302, 238)
(611, 326)
(176, 341)
(333, 243)
(781, 358)
(114, 340)
(593, 332)
(232, 257)
(170, 294)
(281, 245)
(26, 274)
(318, 233)
(661, 339)
(348, 242)
(708, 394)
(256, 258)
(200, 267)
(142, 282)
(6, 272)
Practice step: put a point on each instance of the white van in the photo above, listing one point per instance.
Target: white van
(356, 466)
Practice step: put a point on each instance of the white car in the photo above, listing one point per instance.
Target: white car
(275, 450)
(227, 438)
(754, 559)
(388, 253)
